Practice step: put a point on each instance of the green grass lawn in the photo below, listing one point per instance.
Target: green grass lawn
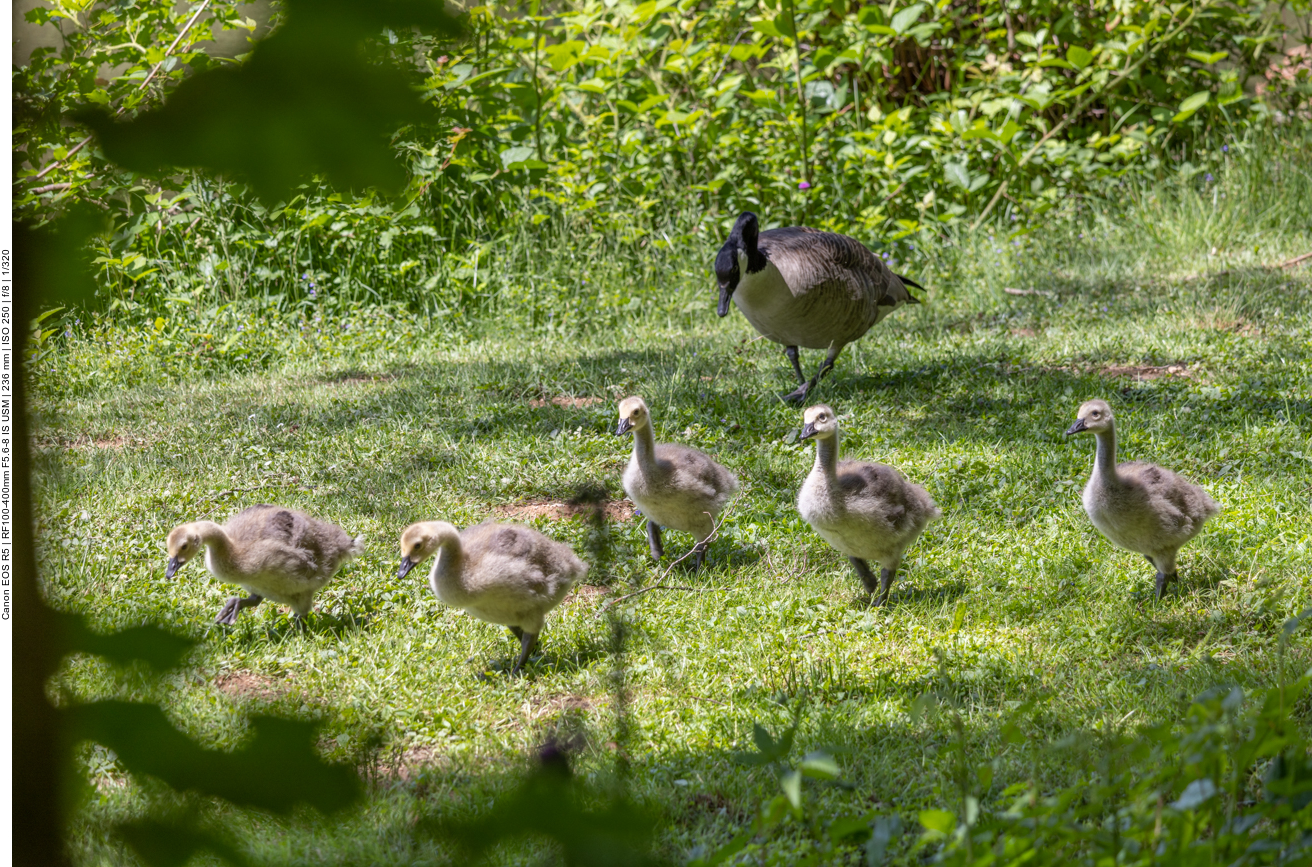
(1012, 603)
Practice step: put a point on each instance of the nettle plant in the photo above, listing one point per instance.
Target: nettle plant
(879, 116)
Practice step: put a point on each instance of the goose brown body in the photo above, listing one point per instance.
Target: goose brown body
(274, 553)
(1138, 506)
(801, 287)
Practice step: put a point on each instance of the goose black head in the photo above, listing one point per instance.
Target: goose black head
(743, 238)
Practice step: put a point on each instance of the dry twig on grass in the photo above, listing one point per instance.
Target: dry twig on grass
(660, 582)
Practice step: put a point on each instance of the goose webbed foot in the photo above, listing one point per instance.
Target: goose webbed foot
(526, 641)
(797, 395)
(228, 614)
(654, 540)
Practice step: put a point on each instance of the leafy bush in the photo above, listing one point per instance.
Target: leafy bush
(575, 146)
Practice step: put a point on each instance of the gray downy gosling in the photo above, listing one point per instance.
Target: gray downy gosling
(506, 574)
(675, 486)
(799, 286)
(866, 510)
(273, 553)
(1139, 507)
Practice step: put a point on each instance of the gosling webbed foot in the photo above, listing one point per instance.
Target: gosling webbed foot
(228, 614)
(1162, 581)
(526, 642)
(654, 540)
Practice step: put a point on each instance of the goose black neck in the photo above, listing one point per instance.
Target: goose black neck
(747, 232)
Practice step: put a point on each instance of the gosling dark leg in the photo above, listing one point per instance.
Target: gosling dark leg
(526, 642)
(517, 632)
(863, 572)
(700, 548)
(228, 614)
(1162, 579)
(885, 584)
(654, 540)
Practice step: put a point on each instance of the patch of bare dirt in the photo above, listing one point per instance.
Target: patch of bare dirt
(564, 401)
(245, 686)
(615, 510)
(406, 764)
(1023, 332)
(99, 443)
(360, 377)
(1139, 371)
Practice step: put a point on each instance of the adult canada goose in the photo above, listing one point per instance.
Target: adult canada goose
(803, 287)
(1139, 507)
(674, 486)
(867, 511)
(272, 552)
(502, 573)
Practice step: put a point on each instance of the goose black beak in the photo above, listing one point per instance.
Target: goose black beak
(624, 427)
(808, 431)
(1077, 427)
(174, 565)
(406, 565)
(725, 294)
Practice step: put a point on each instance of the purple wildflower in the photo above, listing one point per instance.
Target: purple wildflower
(1225, 149)
(804, 186)
(1209, 177)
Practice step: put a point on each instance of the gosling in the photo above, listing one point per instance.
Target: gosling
(1139, 507)
(501, 573)
(675, 486)
(867, 511)
(271, 552)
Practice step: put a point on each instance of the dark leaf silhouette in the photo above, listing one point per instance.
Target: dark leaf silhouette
(149, 644)
(276, 771)
(311, 98)
(164, 844)
(548, 804)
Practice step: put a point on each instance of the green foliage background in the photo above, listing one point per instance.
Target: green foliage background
(625, 137)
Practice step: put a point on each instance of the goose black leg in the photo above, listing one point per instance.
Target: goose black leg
(863, 572)
(1162, 580)
(228, 614)
(517, 632)
(791, 352)
(525, 645)
(799, 394)
(654, 540)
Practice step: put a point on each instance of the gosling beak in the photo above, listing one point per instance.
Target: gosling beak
(808, 431)
(725, 294)
(624, 427)
(1077, 427)
(174, 565)
(406, 565)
